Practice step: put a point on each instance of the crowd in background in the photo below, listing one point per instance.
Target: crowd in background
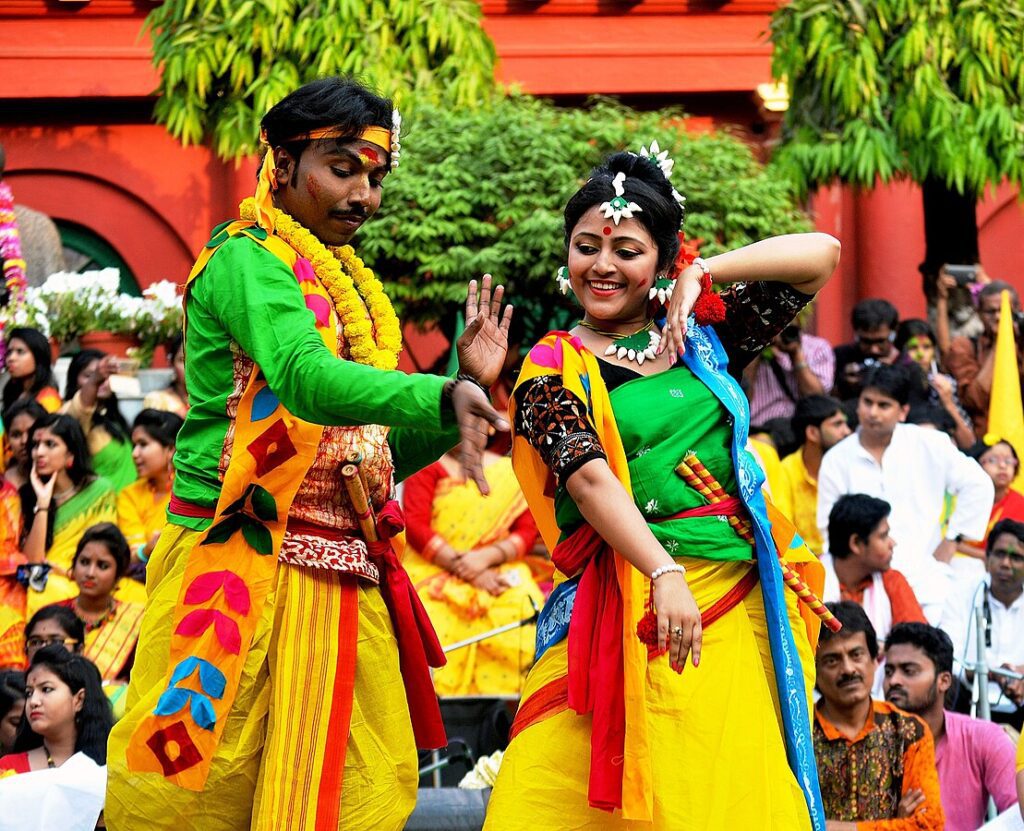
(879, 450)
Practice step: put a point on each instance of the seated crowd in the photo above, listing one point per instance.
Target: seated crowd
(878, 451)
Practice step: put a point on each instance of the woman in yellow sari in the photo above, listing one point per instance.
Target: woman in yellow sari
(465, 555)
(635, 467)
(63, 498)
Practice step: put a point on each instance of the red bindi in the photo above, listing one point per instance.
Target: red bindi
(370, 154)
(607, 231)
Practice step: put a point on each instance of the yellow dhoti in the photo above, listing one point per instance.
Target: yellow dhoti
(279, 754)
(717, 753)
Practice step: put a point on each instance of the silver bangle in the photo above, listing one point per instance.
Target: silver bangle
(665, 570)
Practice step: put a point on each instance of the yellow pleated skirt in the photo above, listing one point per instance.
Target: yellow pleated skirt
(717, 752)
(269, 769)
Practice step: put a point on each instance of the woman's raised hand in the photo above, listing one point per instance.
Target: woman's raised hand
(679, 626)
(684, 295)
(483, 344)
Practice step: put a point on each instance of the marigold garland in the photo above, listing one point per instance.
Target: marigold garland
(371, 327)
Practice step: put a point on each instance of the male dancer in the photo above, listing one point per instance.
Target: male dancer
(281, 679)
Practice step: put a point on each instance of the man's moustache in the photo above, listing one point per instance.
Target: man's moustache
(848, 678)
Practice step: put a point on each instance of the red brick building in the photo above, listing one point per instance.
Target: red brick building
(75, 102)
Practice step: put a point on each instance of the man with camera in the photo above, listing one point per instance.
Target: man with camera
(971, 361)
(794, 366)
(874, 330)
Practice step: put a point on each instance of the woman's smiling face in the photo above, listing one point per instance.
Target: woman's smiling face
(612, 268)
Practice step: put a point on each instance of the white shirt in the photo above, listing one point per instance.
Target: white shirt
(919, 467)
(1006, 632)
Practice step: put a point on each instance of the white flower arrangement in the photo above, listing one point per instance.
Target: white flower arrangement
(30, 312)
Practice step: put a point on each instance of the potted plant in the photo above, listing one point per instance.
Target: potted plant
(89, 306)
(29, 310)
(159, 318)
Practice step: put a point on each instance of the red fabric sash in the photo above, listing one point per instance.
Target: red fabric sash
(418, 646)
(596, 674)
(190, 509)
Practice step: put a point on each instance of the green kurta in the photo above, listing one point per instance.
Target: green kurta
(247, 300)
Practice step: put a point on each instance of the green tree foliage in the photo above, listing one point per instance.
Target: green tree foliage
(224, 63)
(483, 190)
(928, 89)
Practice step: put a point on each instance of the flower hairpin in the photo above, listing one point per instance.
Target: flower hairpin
(396, 130)
(562, 278)
(618, 206)
(659, 157)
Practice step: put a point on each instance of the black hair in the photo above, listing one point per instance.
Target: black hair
(931, 640)
(1004, 526)
(92, 722)
(890, 380)
(854, 514)
(980, 448)
(646, 185)
(924, 413)
(997, 287)
(108, 411)
(68, 430)
(812, 411)
(173, 346)
(160, 425)
(12, 690)
(854, 620)
(874, 313)
(27, 406)
(914, 328)
(110, 535)
(327, 102)
(39, 346)
(66, 619)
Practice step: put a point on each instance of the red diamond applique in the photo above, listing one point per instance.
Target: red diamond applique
(272, 448)
(175, 741)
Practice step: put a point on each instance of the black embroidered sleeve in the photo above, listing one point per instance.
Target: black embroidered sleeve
(754, 314)
(554, 421)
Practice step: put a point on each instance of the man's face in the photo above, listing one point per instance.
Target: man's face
(1005, 564)
(876, 551)
(989, 308)
(845, 670)
(832, 431)
(875, 343)
(335, 187)
(879, 413)
(911, 682)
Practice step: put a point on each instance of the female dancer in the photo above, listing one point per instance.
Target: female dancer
(66, 713)
(616, 444)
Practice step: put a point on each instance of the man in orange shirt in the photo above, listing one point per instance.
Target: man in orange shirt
(857, 565)
(876, 764)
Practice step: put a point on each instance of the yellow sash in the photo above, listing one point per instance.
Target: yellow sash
(230, 571)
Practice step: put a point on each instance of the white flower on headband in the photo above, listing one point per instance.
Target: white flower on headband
(618, 206)
(678, 197)
(396, 130)
(659, 157)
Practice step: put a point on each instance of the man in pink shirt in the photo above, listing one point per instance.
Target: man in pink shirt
(974, 758)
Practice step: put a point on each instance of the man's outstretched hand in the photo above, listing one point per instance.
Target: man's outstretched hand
(483, 344)
(475, 417)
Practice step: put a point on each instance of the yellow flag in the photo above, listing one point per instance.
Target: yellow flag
(1005, 411)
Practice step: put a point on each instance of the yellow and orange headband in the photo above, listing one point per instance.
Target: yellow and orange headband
(266, 184)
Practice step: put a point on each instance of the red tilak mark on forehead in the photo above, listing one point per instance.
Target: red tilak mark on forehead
(312, 186)
(607, 231)
(370, 154)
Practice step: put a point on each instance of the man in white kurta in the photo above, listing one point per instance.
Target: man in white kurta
(913, 469)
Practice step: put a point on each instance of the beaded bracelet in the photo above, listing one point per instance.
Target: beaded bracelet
(665, 570)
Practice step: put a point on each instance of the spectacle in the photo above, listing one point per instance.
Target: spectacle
(39, 643)
(999, 461)
(1014, 558)
(876, 341)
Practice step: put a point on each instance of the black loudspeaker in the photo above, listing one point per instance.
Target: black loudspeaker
(476, 727)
